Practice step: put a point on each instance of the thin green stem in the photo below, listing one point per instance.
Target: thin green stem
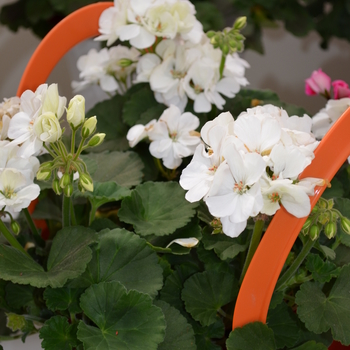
(80, 148)
(92, 214)
(11, 239)
(72, 145)
(63, 148)
(221, 312)
(254, 242)
(66, 218)
(57, 150)
(31, 224)
(222, 65)
(160, 167)
(336, 243)
(283, 281)
(54, 155)
(72, 214)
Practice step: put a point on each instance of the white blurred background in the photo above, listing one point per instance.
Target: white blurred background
(288, 61)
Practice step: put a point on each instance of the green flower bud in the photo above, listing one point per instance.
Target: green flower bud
(125, 62)
(240, 22)
(314, 232)
(15, 322)
(225, 49)
(56, 186)
(76, 111)
(68, 190)
(96, 140)
(81, 188)
(210, 34)
(15, 227)
(345, 224)
(330, 203)
(89, 127)
(307, 223)
(65, 180)
(330, 230)
(47, 165)
(85, 181)
(323, 218)
(43, 174)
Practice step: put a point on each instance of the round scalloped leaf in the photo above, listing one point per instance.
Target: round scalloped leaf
(157, 208)
(58, 334)
(253, 336)
(131, 320)
(63, 299)
(69, 255)
(206, 292)
(125, 168)
(179, 333)
(123, 256)
(319, 312)
(311, 345)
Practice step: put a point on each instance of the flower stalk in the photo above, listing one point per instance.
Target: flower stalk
(11, 239)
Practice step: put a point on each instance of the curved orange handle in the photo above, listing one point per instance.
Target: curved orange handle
(258, 285)
(75, 28)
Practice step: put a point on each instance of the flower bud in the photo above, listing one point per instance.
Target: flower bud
(15, 227)
(225, 49)
(47, 127)
(96, 140)
(65, 180)
(314, 232)
(240, 22)
(125, 62)
(47, 165)
(330, 230)
(307, 223)
(68, 190)
(89, 127)
(345, 224)
(210, 34)
(56, 186)
(86, 182)
(43, 174)
(76, 111)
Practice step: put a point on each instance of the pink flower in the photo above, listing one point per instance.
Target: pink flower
(318, 83)
(340, 89)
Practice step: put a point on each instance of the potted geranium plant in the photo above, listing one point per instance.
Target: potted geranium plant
(127, 258)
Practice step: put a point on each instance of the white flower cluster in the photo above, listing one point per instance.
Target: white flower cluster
(178, 71)
(38, 120)
(169, 50)
(327, 116)
(172, 136)
(251, 165)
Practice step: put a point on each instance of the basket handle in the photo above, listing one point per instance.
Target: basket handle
(73, 29)
(259, 282)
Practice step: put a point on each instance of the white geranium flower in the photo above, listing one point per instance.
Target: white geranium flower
(171, 137)
(139, 132)
(47, 127)
(232, 229)
(294, 198)
(15, 191)
(235, 191)
(93, 70)
(145, 67)
(8, 109)
(326, 117)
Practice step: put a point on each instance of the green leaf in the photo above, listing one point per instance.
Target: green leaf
(205, 293)
(311, 345)
(179, 333)
(122, 256)
(141, 102)
(110, 122)
(342, 255)
(131, 320)
(58, 334)
(18, 296)
(204, 335)
(68, 258)
(335, 190)
(320, 313)
(157, 208)
(253, 336)
(322, 271)
(224, 246)
(63, 299)
(284, 326)
(125, 168)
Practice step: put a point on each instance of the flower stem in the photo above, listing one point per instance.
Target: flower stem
(72, 145)
(80, 148)
(72, 214)
(11, 239)
(222, 65)
(54, 155)
(31, 224)
(254, 242)
(283, 281)
(66, 203)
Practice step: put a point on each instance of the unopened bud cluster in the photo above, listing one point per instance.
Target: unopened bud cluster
(217, 226)
(324, 218)
(66, 163)
(230, 40)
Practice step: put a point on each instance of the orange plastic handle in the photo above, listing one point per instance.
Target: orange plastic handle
(73, 29)
(258, 285)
